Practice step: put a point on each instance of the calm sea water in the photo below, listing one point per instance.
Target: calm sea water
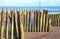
(51, 9)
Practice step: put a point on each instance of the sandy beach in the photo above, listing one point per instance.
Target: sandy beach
(54, 34)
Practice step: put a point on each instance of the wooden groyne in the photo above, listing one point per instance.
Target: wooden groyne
(22, 22)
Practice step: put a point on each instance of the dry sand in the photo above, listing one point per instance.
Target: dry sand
(54, 34)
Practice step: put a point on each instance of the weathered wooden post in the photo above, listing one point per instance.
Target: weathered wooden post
(49, 25)
(34, 21)
(46, 21)
(43, 20)
(20, 26)
(15, 26)
(2, 24)
(21, 29)
(7, 23)
(56, 17)
(23, 16)
(58, 21)
(53, 20)
(12, 24)
(29, 21)
(38, 21)
(40, 18)
(18, 21)
(26, 20)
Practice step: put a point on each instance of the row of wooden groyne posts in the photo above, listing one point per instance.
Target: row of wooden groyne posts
(42, 23)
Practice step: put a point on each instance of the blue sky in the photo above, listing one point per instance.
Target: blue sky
(29, 3)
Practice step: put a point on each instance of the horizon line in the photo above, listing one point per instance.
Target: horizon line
(25, 6)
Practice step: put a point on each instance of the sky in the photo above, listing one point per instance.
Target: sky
(29, 3)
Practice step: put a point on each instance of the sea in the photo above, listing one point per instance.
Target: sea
(51, 9)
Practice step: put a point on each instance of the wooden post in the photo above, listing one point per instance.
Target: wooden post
(18, 21)
(49, 25)
(27, 21)
(15, 27)
(37, 21)
(46, 19)
(7, 24)
(37, 25)
(58, 21)
(24, 21)
(40, 22)
(21, 29)
(12, 24)
(30, 21)
(20, 25)
(43, 20)
(34, 21)
(2, 24)
(53, 21)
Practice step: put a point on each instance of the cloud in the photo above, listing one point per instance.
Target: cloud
(24, 3)
(8, 2)
(31, 2)
(51, 3)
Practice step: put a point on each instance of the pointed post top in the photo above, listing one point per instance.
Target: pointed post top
(46, 11)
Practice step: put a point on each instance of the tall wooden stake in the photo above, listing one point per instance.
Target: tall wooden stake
(12, 24)
(2, 24)
(7, 24)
